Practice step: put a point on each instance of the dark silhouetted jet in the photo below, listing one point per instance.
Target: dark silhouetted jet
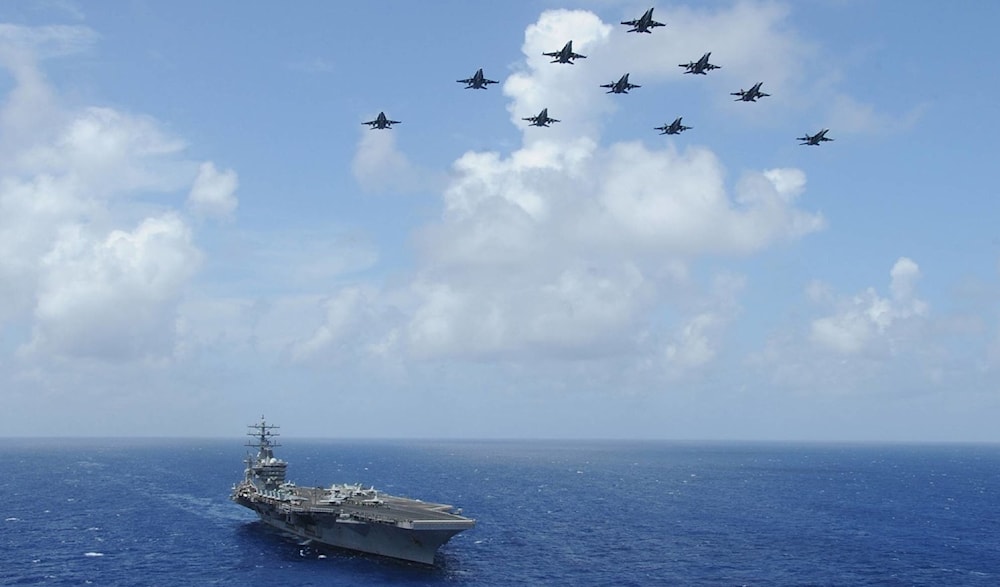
(643, 23)
(673, 128)
(701, 66)
(750, 95)
(621, 86)
(542, 119)
(478, 81)
(815, 139)
(381, 122)
(565, 55)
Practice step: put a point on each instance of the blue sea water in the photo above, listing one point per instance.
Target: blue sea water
(156, 512)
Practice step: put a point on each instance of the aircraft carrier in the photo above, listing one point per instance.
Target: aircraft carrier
(346, 515)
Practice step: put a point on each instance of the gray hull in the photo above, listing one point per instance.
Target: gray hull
(416, 545)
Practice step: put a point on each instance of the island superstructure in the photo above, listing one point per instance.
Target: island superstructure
(342, 515)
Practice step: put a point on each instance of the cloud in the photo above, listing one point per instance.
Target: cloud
(904, 275)
(574, 312)
(32, 212)
(698, 340)
(213, 192)
(627, 198)
(86, 270)
(516, 231)
(351, 323)
(865, 342)
(30, 113)
(108, 153)
(379, 165)
(692, 347)
(866, 321)
(44, 42)
(113, 298)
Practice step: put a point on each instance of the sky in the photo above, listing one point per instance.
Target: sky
(197, 229)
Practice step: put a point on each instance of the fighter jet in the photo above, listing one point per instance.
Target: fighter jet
(750, 95)
(542, 119)
(815, 139)
(565, 55)
(477, 82)
(621, 86)
(701, 66)
(643, 23)
(673, 128)
(381, 122)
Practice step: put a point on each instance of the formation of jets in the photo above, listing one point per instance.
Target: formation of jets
(643, 24)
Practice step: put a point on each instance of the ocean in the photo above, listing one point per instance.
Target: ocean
(156, 512)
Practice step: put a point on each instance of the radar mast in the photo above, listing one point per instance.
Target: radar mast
(265, 470)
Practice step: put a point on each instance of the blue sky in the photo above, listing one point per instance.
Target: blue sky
(196, 228)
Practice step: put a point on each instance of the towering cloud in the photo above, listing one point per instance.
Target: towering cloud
(85, 267)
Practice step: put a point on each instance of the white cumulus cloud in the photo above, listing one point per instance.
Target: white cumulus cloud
(87, 269)
(113, 297)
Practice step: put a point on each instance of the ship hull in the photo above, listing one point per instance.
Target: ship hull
(416, 545)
